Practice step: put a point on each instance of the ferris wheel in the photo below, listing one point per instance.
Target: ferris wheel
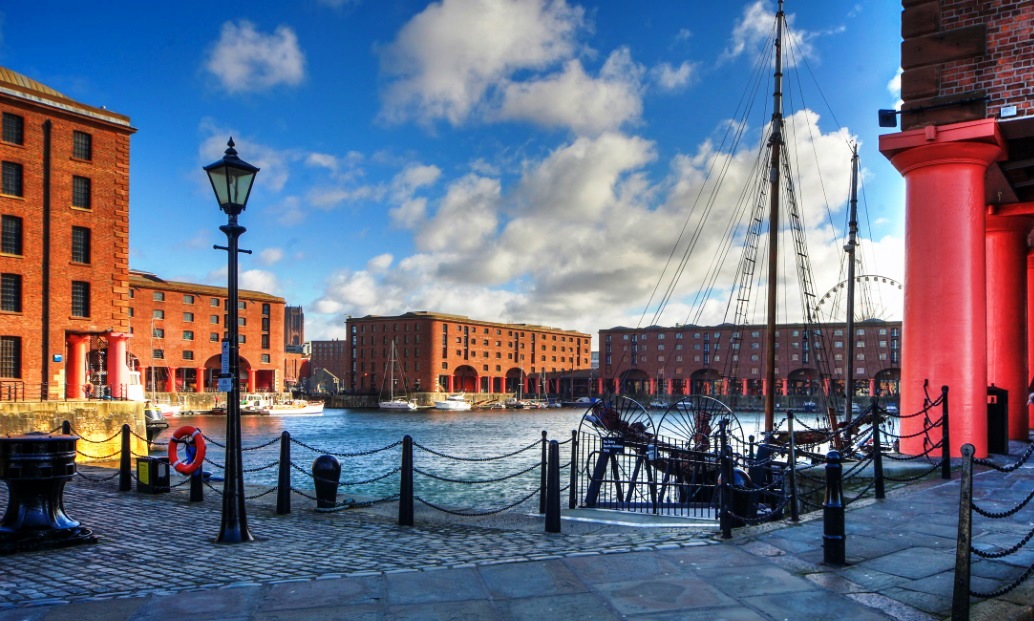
(875, 298)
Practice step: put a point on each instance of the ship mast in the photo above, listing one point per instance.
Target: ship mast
(775, 143)
(849, 247)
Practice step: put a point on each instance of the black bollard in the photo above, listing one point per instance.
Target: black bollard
(553, 489)
(542, 482)
(326, 473)
(66, 428)
(725, 491)
(125, 476)
(283, 480)
(406, 483)
(833, 536)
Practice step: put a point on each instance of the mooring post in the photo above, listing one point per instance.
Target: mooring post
(66, 428)
(833, 536)
(724, 519)
(572, 496)
(326, 474)
(750, 443)
(542, 482)
(791, 463)
(283, 479)
(960, 592)
(406, 483)
(125, 476)
(877, 447)
(945, 437)
(553, 489)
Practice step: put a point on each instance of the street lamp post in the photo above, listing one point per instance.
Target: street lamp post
(231, 179)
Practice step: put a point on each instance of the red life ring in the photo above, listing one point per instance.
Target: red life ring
(187, 435)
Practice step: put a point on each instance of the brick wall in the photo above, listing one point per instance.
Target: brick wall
(107, 219)
(959, 50)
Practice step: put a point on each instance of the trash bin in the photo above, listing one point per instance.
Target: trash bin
(997, 420)
(152, 475)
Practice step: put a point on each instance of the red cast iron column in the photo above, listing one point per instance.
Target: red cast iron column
(944, 336)
(1007, 316)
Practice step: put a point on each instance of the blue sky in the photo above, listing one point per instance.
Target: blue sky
(528, 161)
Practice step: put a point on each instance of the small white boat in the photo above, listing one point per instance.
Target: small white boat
(295, 407)
(455, 402)
(390, 401)
(398, 403)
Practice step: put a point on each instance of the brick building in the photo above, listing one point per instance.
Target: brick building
(177, 331)
(727, 359)
(453, 353)
(64, 258)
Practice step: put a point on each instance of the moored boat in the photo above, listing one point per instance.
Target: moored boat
(154, 422)
(457, 402)
(293, 407)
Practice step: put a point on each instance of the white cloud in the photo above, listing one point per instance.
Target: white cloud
(245, 59)
(671, 78)
(589, 221)
(755, 31)
(271, 256)
(260, 280)
(447, 58)
(572, 99)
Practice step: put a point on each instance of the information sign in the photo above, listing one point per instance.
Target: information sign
(614, 445)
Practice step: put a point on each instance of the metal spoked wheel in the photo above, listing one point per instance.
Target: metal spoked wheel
(614, 440)
(694, 424)
(620, 417)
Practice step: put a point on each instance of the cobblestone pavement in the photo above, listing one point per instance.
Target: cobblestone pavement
(161, 544)
(156, 560)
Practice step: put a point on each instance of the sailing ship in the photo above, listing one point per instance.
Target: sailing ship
(393, 402)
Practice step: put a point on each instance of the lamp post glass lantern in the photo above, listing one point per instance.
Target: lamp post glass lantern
(231, 179)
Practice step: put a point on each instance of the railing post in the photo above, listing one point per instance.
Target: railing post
(945, 437)
(833, 536)
(66, 428)
(791, 462)
(877, 447)
(572, 495)
(553, 489)
(542, 482)
(125, 477)
(960, 592)
(283, 479)
(406, 483)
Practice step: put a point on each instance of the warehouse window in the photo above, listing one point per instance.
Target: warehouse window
(81, 192)
(11, 235)
(82, 146)
(14, 128)
(80, 244)
(80, 298)
(12, 179)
